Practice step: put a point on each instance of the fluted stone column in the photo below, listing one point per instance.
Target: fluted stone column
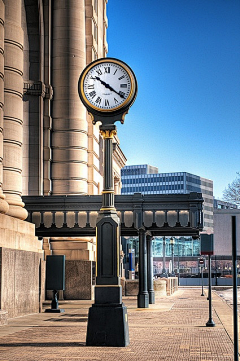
(69, 124)
(47, 150)
(13, 109)
(3, 204)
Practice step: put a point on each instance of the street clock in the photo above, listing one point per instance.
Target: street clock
(107, 88)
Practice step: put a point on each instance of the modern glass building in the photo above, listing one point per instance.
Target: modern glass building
(185, 251)
(219, 204)
(146, 179)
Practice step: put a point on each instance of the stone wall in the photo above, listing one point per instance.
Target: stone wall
(162, 287)
(78, 280)
(131, 288)
(20, 258)
(19, 276)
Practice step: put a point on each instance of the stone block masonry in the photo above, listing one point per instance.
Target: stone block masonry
(20, 258)
(19, 293)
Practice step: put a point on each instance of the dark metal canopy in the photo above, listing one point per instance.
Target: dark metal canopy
(75, 216)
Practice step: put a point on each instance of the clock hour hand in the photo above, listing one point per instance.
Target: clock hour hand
(108, 86)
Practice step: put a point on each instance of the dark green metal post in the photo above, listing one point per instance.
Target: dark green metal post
(143, 298)
(164, 273)
(210, 322)
(235, 308)
(150, 270)
(107, 319)
(202, 280)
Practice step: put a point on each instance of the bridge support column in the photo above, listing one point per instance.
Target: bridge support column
(143, 297)
(150, 270)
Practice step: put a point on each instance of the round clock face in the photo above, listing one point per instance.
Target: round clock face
(107, 85)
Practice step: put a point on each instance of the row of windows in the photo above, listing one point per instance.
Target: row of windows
(207, 224)
(164, 177)
(208, 200)
(207, 208)
(155, 192)
(133, 170)
(181, 248)
(184, 246)
(198, 180)
(152, 179)
(208, 216)
(142, 189)
(159, 187)
(191, 188)
(96, 6)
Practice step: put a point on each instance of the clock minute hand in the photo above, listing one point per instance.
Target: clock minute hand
(108, 86)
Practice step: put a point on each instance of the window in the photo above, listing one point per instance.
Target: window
(94, 54)
(95, 31)
(96, 6)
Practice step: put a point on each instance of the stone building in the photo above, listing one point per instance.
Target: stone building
(48, 145)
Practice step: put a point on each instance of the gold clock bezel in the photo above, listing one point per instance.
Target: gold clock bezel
(107, 61)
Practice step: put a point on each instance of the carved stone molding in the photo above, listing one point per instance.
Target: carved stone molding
(38, 88)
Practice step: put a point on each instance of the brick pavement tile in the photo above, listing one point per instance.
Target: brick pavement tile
(173, 333)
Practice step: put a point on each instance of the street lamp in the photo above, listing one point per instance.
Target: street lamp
(172, 250)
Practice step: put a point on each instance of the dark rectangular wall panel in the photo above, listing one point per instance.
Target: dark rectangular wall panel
(55, 272)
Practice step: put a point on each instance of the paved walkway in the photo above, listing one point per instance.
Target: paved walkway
(172, 329)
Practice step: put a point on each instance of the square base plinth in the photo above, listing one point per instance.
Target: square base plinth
(107, 326)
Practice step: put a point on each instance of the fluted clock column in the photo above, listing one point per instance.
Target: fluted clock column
(13, 109)
(108, 241)
(107, 318)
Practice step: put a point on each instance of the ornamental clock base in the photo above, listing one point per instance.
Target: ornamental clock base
(107, 326)
(107, 318)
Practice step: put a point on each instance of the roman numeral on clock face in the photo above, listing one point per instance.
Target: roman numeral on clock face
(107, 86)
(98, 100)
(92, 94)
(122, 94)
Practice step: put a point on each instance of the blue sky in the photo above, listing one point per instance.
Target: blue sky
(186, 57)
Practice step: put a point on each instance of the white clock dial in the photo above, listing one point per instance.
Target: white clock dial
(108, 85)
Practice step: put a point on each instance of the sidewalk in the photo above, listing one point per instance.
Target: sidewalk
(172, 329)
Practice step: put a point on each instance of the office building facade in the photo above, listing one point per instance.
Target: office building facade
(145, 179)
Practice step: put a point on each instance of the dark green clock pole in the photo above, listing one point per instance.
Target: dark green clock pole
(108, 87)
(107, 319)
